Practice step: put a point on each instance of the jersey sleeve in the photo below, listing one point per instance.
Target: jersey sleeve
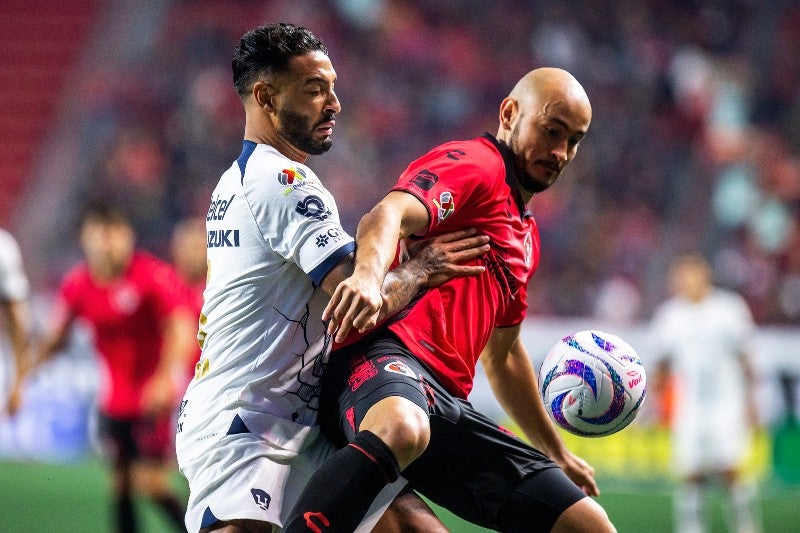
(446, 181)
(299, 220)
(13, 282)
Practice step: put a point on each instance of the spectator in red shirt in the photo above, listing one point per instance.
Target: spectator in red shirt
(143, 333)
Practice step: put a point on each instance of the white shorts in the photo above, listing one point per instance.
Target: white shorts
(245, 477)
(709, 444)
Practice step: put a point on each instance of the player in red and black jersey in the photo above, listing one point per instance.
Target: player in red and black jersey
(398, 397)
(144, 334)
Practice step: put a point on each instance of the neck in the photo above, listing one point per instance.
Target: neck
(106, 273)
(259, 130)
(522, 178)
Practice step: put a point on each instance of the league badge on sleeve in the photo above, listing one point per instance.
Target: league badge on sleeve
(445, 205)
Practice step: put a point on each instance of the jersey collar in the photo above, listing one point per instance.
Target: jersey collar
(511, 173)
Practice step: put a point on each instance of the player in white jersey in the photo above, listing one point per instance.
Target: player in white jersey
(247, 438)
(704, 333)
(14, 289)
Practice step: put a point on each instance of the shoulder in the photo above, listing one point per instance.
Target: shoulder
(147, 266)
(271, 177)
(476, 153)
(730, 302)
(7, 240)
(9, 248)
(455, 161)
(77, 277)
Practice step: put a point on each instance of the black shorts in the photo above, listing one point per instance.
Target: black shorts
(129, 439)
(472, 466)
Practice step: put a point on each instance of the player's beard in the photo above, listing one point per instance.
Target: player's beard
(298, 130)
(528, 182)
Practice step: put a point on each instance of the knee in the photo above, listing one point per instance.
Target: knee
(401, 425)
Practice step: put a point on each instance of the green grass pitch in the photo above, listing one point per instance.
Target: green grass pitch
(49, 498)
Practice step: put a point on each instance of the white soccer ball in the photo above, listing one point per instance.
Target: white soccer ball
(592, 383)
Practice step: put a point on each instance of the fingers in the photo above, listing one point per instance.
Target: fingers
(468, 253)
(455, 235)
(350, 308)
(471, 243)
(461, 271)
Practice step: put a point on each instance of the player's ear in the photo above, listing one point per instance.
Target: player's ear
(508, 112)
(263, 93)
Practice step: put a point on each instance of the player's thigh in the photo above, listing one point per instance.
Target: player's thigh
(584, 516)
(152, 476)
(474, 468)
(355, 381)
(245, 478)
(117, 440)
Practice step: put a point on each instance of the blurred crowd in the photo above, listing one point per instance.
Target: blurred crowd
(694, 144)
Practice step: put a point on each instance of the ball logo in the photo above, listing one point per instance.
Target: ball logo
(445, 206)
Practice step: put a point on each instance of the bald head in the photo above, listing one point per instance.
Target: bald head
(542, 120)
(550, 85)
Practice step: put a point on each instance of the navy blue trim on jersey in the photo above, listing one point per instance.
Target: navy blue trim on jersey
(512, 179)
(319, 273)
(208, 519)
(247, 151)
(237, 426)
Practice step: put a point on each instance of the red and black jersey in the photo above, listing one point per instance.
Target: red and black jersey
(127, 316)
(469, 184)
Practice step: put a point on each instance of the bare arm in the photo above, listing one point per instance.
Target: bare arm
(54, 341)
(513, 380)
(432, 263)
(15, 314)
(178, 346)
(357, 300)
(749, 389)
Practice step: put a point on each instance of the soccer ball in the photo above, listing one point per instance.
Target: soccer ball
(592, 383)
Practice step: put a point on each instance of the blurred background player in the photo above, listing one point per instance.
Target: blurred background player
(143, 335)
(188, 253)
(704, 332)
(14, 308)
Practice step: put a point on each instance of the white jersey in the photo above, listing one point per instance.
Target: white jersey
(703, 342)
(13, 282)
(273, 235)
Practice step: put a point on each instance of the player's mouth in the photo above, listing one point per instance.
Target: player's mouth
(326, 127)
(552, 167)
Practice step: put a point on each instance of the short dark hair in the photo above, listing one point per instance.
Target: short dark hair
(103, 212)
(268, 49)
